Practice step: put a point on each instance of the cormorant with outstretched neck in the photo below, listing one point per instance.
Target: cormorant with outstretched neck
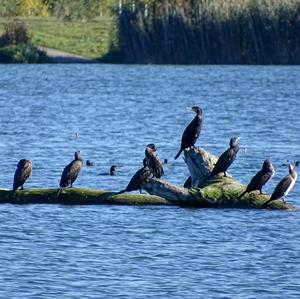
(192, 131)
(261, 178)
(153, 161)
(70, 172)
(227, 158)
(23, 172)
(285, 185)
(138, 179)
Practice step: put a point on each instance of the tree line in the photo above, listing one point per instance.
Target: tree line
(64, 9)
(210, 32)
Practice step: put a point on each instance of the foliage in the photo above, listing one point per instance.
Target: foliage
(15, 32)
(211, 32)
(22, 53)
(34, 8)
(9, 8)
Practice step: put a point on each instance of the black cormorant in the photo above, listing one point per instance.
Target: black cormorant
(285, 185)
(23, 172)
(192, 131)
(70, 172)
(138, 179)
(153, 161)
(226, 159)
(261, 178)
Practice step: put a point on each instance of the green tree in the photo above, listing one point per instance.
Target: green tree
(34, 8)
(9, 8)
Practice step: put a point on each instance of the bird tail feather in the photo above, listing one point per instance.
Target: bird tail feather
(242, 194)
(120, 192)
(178, 154)
(59, 191)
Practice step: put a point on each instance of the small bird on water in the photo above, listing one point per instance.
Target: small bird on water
(89, 163)
(285, 185)
(192, 131)
(70, 172)
(22, 173)
(113, 169)
(227, 158)
(261, 178)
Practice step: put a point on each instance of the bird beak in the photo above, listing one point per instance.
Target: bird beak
(189, 109)
(237, 140)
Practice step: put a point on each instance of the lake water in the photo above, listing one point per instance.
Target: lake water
(49, 251)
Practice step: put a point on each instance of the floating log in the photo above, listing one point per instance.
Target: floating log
(78, 196)
(218, 192)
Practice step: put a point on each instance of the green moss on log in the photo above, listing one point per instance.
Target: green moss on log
(223, 192)
(77, 196)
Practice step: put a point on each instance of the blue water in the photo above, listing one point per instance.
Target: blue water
(49, 251)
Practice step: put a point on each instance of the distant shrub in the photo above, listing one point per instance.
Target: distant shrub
(28, 53)
(15, 32)
(22, 53)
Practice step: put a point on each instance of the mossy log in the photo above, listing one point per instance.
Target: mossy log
(218, 192)
(78, 196)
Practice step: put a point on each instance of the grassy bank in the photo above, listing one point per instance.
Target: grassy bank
(88, 39)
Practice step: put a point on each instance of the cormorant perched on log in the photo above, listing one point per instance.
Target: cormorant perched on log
(153, 161)
(23, 172)
(285, 185)
(70, 172)
(138, 179)
(261, 178)
(226, 159)
(192, 131)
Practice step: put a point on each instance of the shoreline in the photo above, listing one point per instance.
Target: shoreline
(58, 56)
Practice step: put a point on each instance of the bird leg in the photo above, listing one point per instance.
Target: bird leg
(260, 191)
(225, 174)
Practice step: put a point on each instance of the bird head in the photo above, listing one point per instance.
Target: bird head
(197, 110)
(113, 169)
(234, 141)
(77, 155)
(152, 146)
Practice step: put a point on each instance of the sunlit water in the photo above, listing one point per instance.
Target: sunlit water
(49, 251)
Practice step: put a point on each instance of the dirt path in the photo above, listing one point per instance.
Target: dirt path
(65, 57)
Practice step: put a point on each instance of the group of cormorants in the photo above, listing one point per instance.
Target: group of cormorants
(153, 166)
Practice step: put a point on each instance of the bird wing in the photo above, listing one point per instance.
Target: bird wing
(159, 171)
(224, 161)
(70, 173)
(255, 182)
(190, 134)
(23, 172)
(138, 178)
(281, 188)
(154, 165)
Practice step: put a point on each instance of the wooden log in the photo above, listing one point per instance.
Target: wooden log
(78, 196)
(218, 192)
